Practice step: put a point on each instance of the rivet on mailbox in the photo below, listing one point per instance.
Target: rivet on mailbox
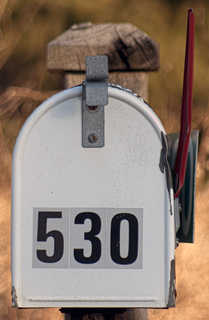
(101, 196)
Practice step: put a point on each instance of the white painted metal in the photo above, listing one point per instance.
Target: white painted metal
(51, 170)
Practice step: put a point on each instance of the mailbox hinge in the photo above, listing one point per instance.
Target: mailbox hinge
(94, 98)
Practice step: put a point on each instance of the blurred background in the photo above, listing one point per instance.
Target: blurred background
(26, 27)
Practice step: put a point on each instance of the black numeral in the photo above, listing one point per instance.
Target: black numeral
(91, 236)
(116, 237)
(46, 255)
(42, 235)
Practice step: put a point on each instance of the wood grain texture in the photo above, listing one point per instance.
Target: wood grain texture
(127, 48)
(135, 81)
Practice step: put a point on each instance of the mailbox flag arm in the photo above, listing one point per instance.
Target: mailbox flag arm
(185, 131)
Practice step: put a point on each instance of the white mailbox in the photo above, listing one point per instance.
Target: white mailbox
(92, 227)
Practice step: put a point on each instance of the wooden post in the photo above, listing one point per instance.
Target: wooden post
(132, 54)
(106, 314)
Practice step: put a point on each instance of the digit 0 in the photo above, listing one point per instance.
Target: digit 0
(116, 238)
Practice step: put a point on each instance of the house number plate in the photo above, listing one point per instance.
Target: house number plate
(87, 238)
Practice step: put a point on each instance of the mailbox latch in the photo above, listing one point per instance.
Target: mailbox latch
(94, 98)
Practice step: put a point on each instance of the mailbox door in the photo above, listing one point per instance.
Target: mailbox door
(91, 227)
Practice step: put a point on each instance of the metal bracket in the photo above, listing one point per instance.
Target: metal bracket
(185, 209)
(94, 98)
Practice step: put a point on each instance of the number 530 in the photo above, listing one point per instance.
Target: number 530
(52, 252)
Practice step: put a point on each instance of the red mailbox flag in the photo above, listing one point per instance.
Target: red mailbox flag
(182, 153)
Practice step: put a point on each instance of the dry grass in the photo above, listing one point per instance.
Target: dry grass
(25, 29)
